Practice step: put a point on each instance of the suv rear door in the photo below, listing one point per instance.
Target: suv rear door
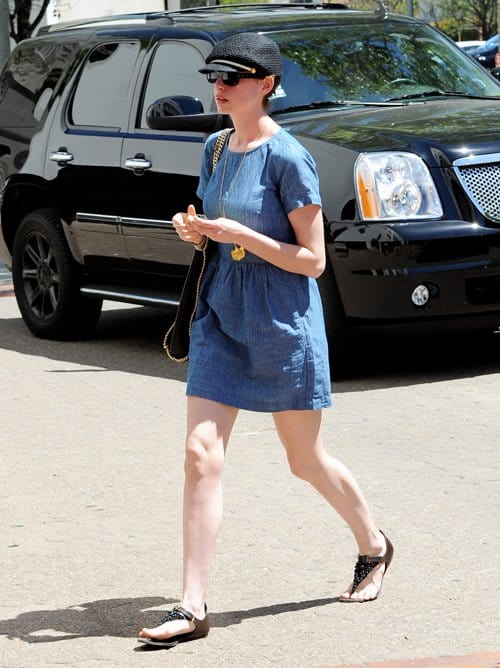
(84, 152)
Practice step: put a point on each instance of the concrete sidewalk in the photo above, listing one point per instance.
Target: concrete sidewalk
(6, 287)
(488, 660)
(90, 510)
(6, 290)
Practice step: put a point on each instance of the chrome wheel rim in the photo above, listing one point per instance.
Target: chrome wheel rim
(40, 275)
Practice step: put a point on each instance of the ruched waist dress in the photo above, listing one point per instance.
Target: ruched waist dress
(258, 338)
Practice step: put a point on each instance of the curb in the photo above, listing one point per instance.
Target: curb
(6, 290)
(484, 660)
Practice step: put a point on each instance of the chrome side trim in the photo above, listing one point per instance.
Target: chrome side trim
(146, 222)
(103, 218)
(83, 217)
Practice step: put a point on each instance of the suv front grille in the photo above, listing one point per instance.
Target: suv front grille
(480, 178)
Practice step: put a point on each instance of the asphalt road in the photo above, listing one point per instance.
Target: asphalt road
(91, 466)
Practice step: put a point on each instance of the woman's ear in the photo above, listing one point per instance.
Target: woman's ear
(267, 85)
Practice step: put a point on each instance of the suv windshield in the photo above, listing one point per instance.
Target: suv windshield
(373, 62)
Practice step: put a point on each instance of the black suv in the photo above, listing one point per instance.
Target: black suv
(102, 125)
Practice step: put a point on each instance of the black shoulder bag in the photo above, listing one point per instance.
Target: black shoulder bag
(176, 341)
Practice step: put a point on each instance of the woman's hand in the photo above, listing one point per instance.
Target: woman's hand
(185, 228)
(306, 256)
(222, 230)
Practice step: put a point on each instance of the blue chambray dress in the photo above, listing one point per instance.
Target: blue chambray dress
(258, 339)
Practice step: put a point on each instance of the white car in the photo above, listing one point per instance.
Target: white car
(470, 44)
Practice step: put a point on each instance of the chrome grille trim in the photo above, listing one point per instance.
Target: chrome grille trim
(480, 178)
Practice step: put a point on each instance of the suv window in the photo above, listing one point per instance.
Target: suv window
(29, 79)
(104, 105)
(174, 71)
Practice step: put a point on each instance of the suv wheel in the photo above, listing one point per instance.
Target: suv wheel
(46, 281)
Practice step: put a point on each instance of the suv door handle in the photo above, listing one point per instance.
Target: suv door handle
(61, 156)
(138, 163)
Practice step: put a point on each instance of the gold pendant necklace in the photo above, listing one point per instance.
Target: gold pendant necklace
(238, 252)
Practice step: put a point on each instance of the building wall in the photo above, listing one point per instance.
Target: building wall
(68, 10)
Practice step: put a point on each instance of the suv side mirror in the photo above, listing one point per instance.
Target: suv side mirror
(182, 112)
(495, 72)
(176, 105)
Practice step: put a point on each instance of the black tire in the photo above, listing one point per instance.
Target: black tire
(338, 330)
(47, 281)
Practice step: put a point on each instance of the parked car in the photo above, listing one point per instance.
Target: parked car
(471, 45)
(486, 54)
(102, 126)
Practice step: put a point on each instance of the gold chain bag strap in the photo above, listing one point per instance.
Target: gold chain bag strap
(176, 341)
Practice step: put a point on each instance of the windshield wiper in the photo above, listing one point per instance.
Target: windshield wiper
(442, 93)
(339, 103)
(310, 105)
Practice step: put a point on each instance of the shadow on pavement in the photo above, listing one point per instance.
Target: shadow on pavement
(126, 339)
(130, 340)
(122, 617)
(390, 361)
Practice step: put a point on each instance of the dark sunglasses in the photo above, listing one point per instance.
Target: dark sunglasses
(228, 78)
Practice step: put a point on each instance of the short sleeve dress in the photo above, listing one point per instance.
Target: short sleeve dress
(258, 338)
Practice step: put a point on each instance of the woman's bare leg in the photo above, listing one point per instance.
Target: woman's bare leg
(300, 433)
(209, 426)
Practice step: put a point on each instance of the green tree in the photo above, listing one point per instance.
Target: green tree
(484, 16)
(25, 16)
(4, 31)
(395, 6)
(453, 16)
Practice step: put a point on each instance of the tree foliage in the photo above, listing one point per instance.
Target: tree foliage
(455, 16)
(394, 6)
(25, 17)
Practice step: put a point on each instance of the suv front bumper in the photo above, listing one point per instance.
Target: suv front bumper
(379, 266)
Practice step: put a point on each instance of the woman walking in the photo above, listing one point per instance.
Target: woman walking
(258, 340)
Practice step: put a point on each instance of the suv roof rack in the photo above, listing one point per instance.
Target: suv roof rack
(117, 19)
(264, 5)
(381, 9)
(142, 18)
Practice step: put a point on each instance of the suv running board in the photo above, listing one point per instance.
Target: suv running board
(136, 296)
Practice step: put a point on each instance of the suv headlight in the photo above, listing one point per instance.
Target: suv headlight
(395, 186)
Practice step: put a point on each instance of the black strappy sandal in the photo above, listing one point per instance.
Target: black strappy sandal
(365, 565)
(201, 628)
